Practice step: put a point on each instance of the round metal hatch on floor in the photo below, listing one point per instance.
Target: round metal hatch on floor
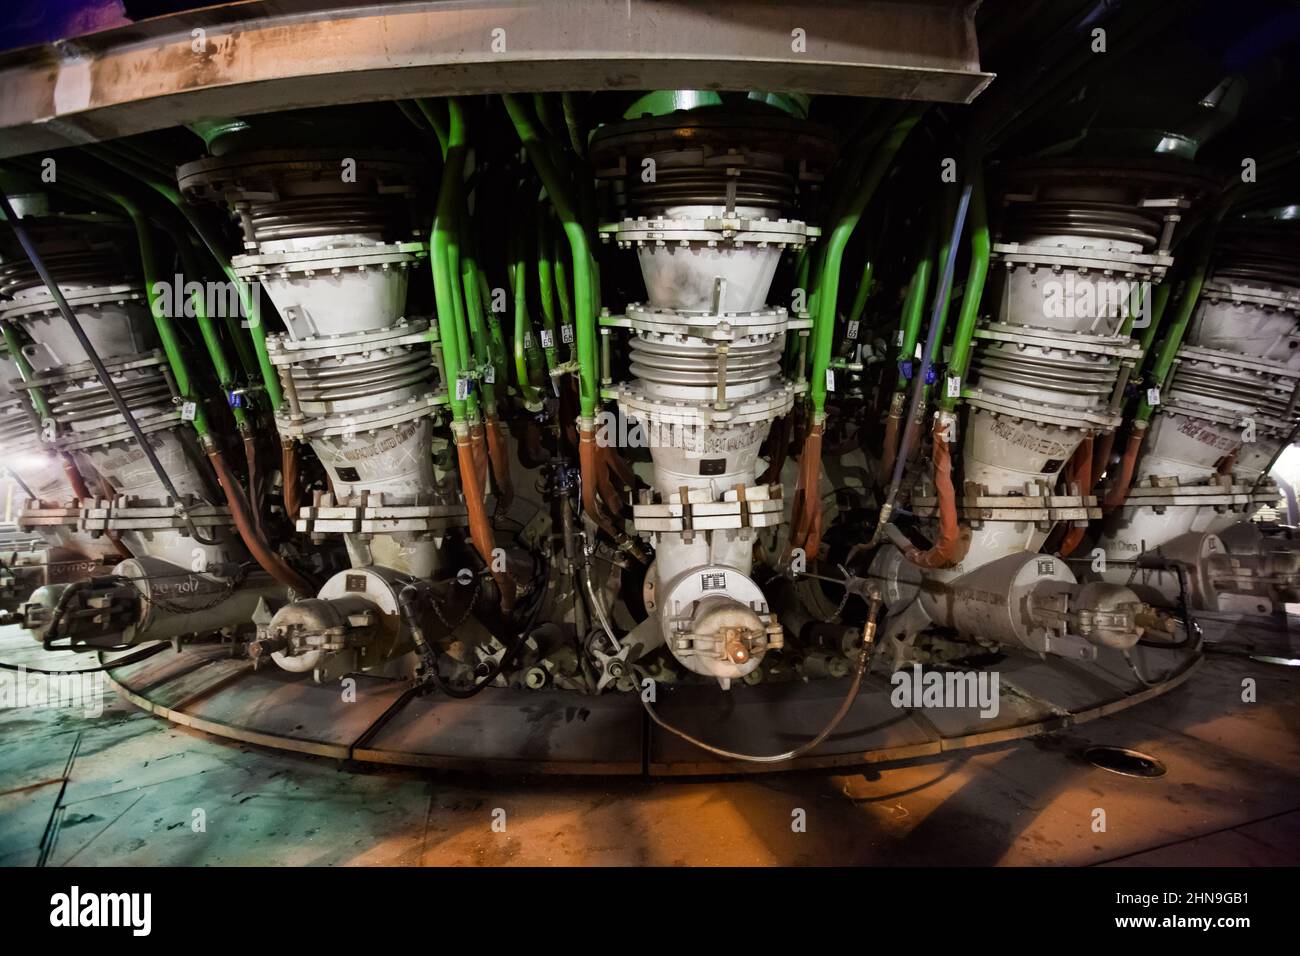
(1121, 760)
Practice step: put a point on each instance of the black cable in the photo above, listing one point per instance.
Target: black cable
(143, 654)
(407, 600)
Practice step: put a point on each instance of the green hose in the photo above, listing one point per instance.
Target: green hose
(480, 349)
(25, 372)
(584, 311)
(546, 282)
(914, 308)
(257, 330)
(959, 358)
(833, 257)
(443, 260)
(523, 324)
(1173, 339)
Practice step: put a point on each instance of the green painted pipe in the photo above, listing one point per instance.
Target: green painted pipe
(523, 324)
(443, 260)
(959, 357)
(914, 307)
(496, 336)
(585, 314)
(1160, 300)
(211, 340)
(25, 372)
(1173, 339)
(438, 119)
(256, 328)
(171, 343)
(833, 257)
(480, 349)
(560, 268)
(546, 281)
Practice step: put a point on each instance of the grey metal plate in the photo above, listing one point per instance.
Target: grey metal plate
(260, 56)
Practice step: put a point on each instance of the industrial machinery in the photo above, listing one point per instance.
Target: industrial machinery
(506, 384)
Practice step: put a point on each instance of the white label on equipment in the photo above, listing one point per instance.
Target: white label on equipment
(548, 340)
(954, 386)
(830, 380)
(189, 411)
(1153, 396)
(490, 374)
(566, 334)
(853, 328)
(462, 388)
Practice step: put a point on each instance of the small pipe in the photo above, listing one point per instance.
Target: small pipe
(556, 187)
(480, 527)
(950, 546)
(240, 512)
(976, 275)
(440, 251)
(1186, 307)
(833, 256)
(914, 407)
(914, 309)
(1082, 475)
(1119, 489)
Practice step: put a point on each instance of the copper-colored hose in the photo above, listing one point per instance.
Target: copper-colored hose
(478, 446)
(620, 469)
(1082, 474)
(806, 518)
(254, 498)
(778, 447)
(500, 461)
(1101, 459)
(589, 466)
(950, 547)
(74, 478)
(1119, 489)
(889, 445)
(480, 528)
(271, 562)
(80, 489)
(290, 478)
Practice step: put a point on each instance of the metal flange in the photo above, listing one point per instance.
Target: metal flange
(711, 231)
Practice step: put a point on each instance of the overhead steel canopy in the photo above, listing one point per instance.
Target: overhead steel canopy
(256, 56)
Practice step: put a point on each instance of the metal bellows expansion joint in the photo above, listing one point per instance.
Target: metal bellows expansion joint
(334, 254)
(709, 227)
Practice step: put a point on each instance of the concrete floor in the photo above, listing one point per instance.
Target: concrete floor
(125, 788)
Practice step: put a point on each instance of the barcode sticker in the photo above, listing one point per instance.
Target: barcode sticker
(830, 380)
(1153, 396)
(954, 386)
(462, 388)
(189, 411)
